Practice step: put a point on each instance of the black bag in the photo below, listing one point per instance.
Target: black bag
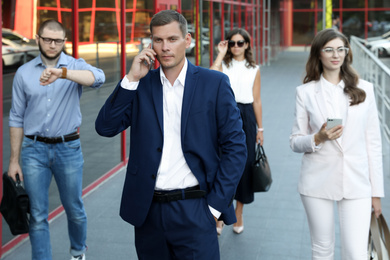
(15, 205)
(261, 172)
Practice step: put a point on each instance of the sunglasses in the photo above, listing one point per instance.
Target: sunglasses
(239, 43)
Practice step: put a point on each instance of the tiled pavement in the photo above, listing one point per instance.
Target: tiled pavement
(275, 224)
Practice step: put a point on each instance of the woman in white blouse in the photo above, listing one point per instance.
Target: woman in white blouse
(342, 164)
(235, 59)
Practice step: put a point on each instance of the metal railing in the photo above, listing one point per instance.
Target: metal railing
(372, 69)
(375, 71)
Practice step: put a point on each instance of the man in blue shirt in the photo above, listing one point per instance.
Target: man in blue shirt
(44, 119)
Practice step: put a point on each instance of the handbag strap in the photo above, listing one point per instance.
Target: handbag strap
(260, 154)
(384, 230)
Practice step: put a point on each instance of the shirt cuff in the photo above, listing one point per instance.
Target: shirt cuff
(126, 84)
(314, 146)
(215, 212)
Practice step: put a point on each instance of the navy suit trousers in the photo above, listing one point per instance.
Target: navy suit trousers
(183, 229)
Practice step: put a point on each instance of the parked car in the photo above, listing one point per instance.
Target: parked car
(374, 40)
(383, 48)
(16, 37)
(16, 54)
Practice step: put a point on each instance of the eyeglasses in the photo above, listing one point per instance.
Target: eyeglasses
(239, 43)
(50, 40)
(340, 51)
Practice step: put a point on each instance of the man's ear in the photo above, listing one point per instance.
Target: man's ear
(37, 39)
(188, 40)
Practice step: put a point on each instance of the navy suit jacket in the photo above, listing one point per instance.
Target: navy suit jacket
(213, 141)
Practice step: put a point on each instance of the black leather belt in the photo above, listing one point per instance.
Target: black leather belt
(185, 194)
(55, 140)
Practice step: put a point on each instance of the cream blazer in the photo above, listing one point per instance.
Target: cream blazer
(349, 169)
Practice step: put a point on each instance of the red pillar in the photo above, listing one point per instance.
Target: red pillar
(1, 135)
(75, 28)
(123, 67)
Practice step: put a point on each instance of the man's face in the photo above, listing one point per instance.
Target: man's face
(51, 50)
(170, 45)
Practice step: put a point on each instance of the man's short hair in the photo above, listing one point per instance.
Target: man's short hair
(166, 17)
(51, 24)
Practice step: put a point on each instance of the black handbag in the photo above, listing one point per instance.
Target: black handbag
(261, 173)
(15, 206)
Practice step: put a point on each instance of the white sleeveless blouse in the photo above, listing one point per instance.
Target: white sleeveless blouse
(241, 79)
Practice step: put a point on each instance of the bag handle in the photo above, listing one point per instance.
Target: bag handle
(18, 181)
(384, 230)
(377, 227)
(260, 152)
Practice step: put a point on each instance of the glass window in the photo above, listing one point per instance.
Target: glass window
(106, 29)
(353, 24)
(43, 15)
(227, 22)
(47, 3)
(85, 26)
(303, 28)
(303, 4)
(217, 29)
(66, 4)
(353, 3)
(378, 3)
(320, 22)
(106, 3)
(378, 23)
(320, 3)
(236, 10)
(85, 4)
(243, 18)
(129, 26)
(204, 36)
(335, 3)
(142, 21)
(188, 12)
(67, 23)
(336, 21)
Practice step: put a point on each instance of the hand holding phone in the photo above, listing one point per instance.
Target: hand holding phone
(332, 122)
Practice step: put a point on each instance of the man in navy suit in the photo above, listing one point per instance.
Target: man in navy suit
(187, 149)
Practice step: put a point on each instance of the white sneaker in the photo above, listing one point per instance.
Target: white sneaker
(79, 257)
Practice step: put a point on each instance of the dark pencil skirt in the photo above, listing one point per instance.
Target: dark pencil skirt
(244, 191)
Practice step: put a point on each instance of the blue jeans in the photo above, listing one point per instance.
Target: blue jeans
(65, 161)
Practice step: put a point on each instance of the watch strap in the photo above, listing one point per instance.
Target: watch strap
(64, 72)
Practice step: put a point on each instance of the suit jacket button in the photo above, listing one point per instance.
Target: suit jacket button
(159, 150)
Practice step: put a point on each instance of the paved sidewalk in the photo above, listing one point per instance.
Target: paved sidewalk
(275, 224)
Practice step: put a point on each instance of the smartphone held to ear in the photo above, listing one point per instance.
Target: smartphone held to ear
(332, 122)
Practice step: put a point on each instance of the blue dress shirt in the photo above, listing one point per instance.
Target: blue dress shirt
(52, 110)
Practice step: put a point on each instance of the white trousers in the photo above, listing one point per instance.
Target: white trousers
(354, 217)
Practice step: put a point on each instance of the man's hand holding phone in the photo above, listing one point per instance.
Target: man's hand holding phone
(142, 63)
(332, 129)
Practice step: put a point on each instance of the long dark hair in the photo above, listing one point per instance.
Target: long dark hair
(350, 77)
(250, 62)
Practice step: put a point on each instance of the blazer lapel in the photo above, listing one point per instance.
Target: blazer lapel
(157, 94)
(189, 89)
(320, 100)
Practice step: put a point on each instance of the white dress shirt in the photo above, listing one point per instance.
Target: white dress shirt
(335, 99)
(241, 80)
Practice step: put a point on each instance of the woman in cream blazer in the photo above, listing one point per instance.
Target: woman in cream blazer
(343, 163)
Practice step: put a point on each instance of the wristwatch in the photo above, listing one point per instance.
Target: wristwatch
(64, 73)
